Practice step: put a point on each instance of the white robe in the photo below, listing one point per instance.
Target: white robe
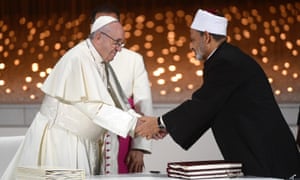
(76, 112)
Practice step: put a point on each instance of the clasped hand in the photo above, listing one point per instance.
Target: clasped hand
(148, 127)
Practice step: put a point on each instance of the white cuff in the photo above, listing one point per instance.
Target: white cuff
(162, 122)
(115, 120)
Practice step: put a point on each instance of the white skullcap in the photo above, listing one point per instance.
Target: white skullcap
(205, 21)
(102, 21)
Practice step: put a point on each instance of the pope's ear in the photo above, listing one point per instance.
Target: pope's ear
(98, 35)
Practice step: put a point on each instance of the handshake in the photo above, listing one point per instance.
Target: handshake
(148, 127)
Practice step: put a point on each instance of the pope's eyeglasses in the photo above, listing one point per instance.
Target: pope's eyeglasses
(118, 43)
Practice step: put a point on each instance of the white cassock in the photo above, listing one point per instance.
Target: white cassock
(75, 114)
(132, 75)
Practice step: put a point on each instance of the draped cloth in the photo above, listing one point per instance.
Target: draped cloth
(121, 101)
(115, 89)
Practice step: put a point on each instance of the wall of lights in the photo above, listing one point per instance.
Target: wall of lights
(35, 34)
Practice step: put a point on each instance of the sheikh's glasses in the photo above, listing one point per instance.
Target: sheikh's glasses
(118, 43)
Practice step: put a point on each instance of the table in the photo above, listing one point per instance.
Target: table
(154, 176)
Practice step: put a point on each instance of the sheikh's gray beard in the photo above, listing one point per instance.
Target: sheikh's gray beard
(199, 56)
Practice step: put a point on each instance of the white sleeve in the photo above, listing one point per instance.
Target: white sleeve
(109, 117)
(142, 143)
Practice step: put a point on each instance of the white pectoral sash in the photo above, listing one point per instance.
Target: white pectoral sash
(115, 89)
(121, 119)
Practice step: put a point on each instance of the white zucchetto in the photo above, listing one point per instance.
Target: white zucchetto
(102, 21)
(205, 21)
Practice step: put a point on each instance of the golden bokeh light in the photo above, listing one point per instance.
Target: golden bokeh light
(8, 90)
(28, 79)
(35, 67)
(2, 82)
(161, 81)
(2, 66)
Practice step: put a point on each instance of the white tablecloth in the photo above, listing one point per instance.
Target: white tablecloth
(153, 176)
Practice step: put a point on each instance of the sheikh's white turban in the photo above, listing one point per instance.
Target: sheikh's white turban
(102, 21)
(205, 21)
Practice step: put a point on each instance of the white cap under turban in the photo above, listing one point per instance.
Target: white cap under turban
(102, 21)
(205, 21)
